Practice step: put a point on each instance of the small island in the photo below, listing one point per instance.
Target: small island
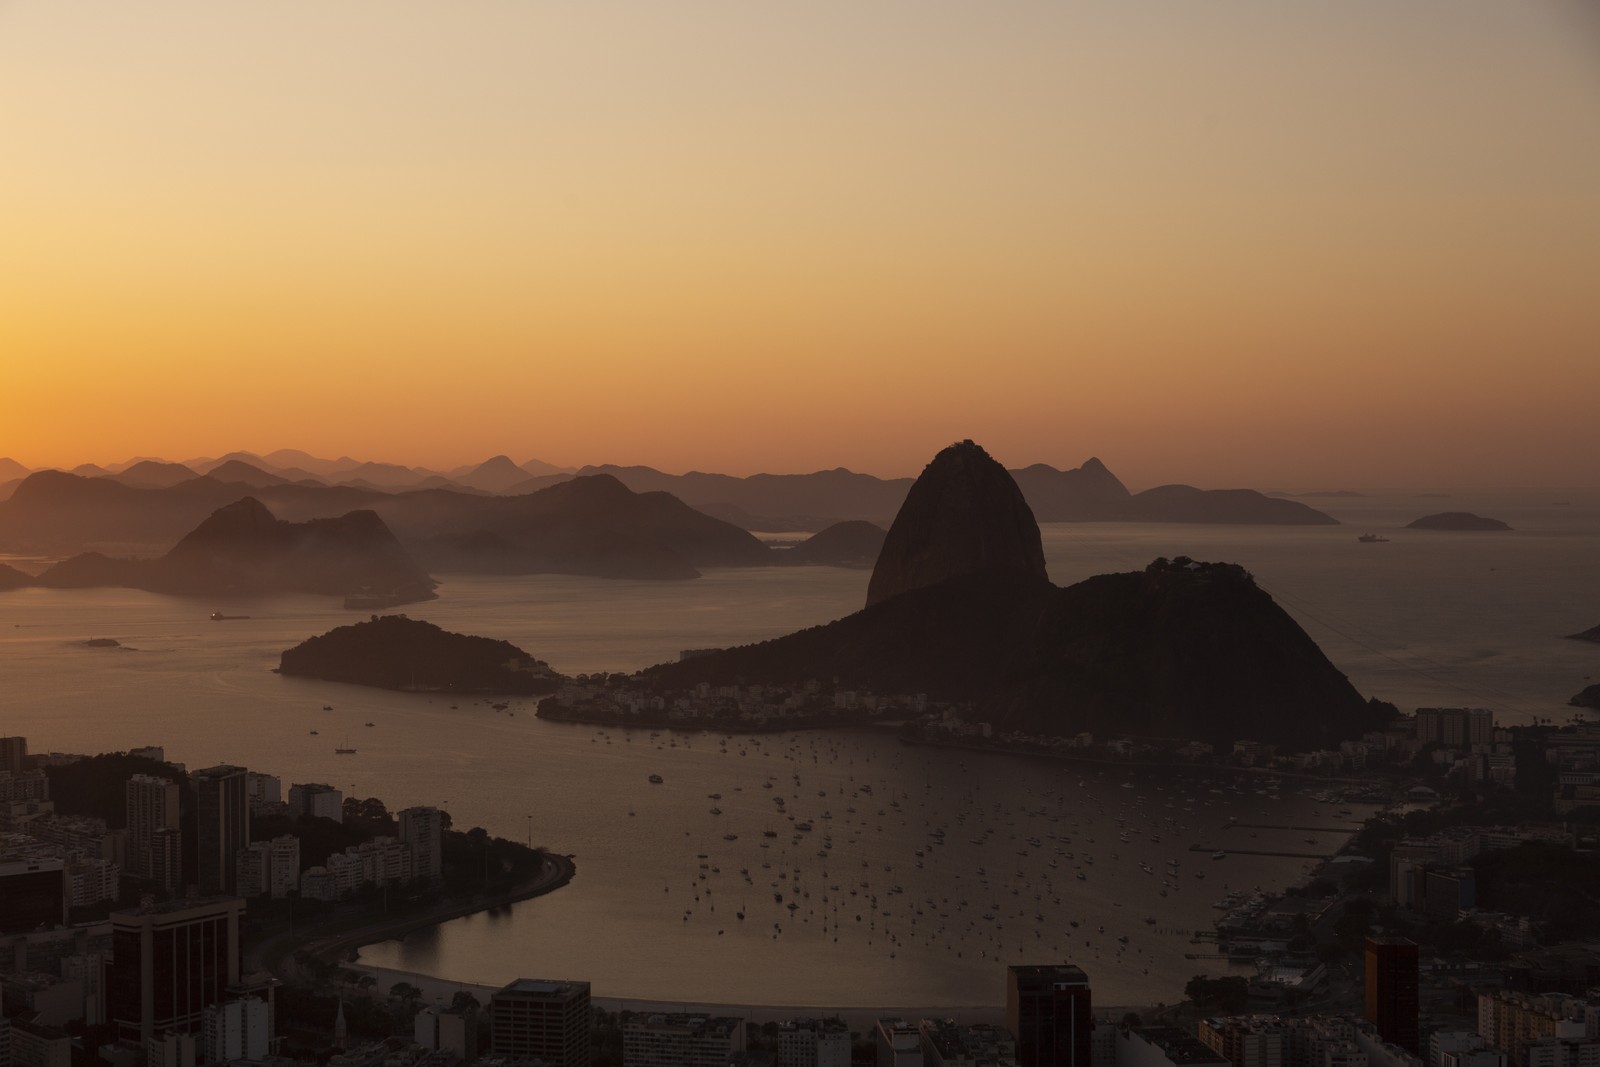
(1591, 634)
(1589, 698)
(1457, 520)
(396, 652)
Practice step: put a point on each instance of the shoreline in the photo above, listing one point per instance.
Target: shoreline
(860, 1017)
(277, 955)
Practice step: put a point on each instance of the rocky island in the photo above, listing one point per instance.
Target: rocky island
(394, 652)
(1589, 698)
(1456, 520)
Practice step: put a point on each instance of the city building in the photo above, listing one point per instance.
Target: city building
(545, 1019)
(166, 859)
(1455, 727)
(454, 1030)
(317, 800)
(1392, 990)
(169, 962)
(681, 1040)
(222, 817)
(152, 805)
(899, 1043)
(252, 869)
(1165, 1046)
(263, 791)
(1246, 1040)
(37, 1045)
(422, 828)
(947, 1044)
(1048, 1010)
(236, 1029)
(813, 1043)
(1513, 1022)
(13, 754)
(285, 867)
(33, 892)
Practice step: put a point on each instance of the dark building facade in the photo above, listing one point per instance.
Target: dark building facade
(222, 817)
(1391, 993)
(541, 1019)
(1048, 1009)
(33, 895)
(169, 963)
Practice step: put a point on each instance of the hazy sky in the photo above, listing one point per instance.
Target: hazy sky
(1225, 242)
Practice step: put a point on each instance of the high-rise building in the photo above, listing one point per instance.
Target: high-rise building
(1048, 1009)
(898, 1042)
(681, 1040)
(166, 859)
(169, 962)
(253, 870)
(285, 865)
(423, 830)
(236, 1029)
(317, 800)
(13, 754)
(223, 819)
(1392, 990)
(441, 1029)
(1246, 1040)
(814, 1043)
(543, 1019)
(33, 893)
(152, 805)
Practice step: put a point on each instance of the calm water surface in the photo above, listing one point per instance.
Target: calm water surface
(1428, 618)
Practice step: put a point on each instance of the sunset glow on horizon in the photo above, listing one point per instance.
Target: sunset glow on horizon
(1237, 243)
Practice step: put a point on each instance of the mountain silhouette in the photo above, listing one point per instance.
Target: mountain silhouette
(964, 515)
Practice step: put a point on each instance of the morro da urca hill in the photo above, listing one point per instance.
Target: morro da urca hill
(963, 515)
(394, 652)
(1181, 649)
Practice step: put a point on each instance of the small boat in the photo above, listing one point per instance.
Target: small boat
(656, 779)
(1373, 539)
(1219, 855)
(217, 616)
(327, 707)
(313, 733)
(344, 752)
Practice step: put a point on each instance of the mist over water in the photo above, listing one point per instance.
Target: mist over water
(1427, 618)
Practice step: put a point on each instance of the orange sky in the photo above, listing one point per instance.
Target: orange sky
(1232, 243)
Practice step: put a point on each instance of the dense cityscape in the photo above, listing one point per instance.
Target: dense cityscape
(155, 915)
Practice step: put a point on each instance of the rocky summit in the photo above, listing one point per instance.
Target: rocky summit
(964, 515)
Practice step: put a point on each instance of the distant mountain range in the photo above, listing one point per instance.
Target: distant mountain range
(243, 550)
(776, 502)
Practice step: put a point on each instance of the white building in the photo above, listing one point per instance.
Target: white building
(422, 828)
(239, 1029)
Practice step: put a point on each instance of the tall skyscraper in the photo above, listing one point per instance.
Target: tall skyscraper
(169, 962)
(1392, 990)
(152, 805)
(1048, 1009)
(13, 754)
(223, 819)
(549, 1020)
(423, 830)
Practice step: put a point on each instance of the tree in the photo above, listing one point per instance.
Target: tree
(405, 991)
(464, 1000)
